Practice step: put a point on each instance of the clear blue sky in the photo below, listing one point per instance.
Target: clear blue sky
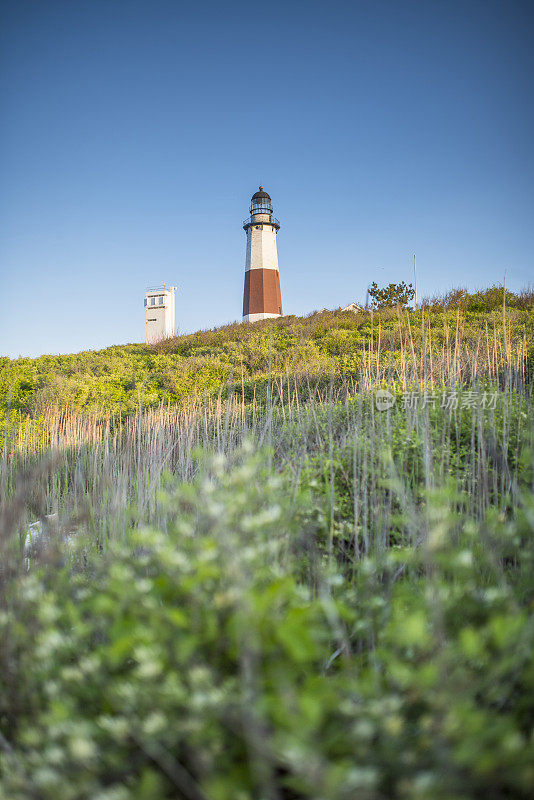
(134, 133)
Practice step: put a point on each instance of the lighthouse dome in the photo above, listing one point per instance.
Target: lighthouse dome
(261, 195)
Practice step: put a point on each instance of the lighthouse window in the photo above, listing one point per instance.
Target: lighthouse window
(145, 301)
(160, 300)
(152, 301)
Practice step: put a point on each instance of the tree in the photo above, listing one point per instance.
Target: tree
(395, 294)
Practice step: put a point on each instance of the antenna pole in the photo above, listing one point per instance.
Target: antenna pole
(415, 278)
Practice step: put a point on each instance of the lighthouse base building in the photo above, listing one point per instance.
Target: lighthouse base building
(262, 298)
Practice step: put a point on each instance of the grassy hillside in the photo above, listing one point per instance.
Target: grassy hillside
(457, 339)
(226, 573)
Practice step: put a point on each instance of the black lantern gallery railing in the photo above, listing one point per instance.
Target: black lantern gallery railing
(253, 221)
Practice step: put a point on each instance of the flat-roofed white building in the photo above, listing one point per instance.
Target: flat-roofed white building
(159, 313)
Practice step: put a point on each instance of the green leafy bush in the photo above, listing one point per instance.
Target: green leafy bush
(392, 295)
(228, 658)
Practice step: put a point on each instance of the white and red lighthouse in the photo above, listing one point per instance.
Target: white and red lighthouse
(261, 297)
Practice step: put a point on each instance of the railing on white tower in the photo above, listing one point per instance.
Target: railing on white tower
(252, 221)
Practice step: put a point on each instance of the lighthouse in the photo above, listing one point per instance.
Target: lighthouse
(261, 296)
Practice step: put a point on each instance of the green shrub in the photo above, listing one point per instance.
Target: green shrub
(392, 295)
(225, 658)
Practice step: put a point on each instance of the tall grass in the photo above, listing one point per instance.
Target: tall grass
(102, 475)
(93, 467)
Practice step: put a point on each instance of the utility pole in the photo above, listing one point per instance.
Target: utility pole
(415, 278)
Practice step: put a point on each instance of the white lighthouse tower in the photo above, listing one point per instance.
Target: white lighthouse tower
(159, 313)
(261, 296)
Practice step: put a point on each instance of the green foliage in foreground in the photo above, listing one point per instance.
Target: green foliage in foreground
(228, 659)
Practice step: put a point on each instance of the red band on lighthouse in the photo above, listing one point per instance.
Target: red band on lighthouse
(262, 292)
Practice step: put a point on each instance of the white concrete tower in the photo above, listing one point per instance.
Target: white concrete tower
(159, 313)
(261, 296)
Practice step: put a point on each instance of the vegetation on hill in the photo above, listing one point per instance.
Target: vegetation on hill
(454, 339)
(273, 582)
